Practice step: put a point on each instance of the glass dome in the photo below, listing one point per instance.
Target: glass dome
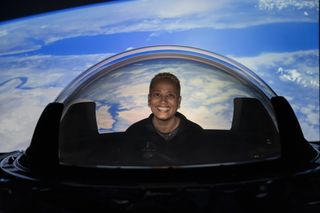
(118, 87)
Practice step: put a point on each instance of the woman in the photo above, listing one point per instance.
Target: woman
(166, 136)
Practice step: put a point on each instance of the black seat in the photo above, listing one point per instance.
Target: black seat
(254, 129)
(42, 154)
(80, 142)
(78, 125)
(250, 115)
(253, 135)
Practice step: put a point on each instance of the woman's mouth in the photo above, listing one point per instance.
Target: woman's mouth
(163, 109)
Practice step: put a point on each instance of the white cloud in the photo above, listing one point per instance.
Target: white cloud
(309, 119)
(291, 75)
(46, 70)
(128, 117)
(310, 132)
(312, 114)
(3, 33)
(284, 4)
(20, 110)
(296, 76)
(300, 67)
(104, 118)
(180, 8)
(140, 90)
(208, 117)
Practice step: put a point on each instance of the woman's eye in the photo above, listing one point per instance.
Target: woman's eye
(171, 96)
(156, 95)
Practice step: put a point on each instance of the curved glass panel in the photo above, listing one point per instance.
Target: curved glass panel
(218, 94)
(165, 51)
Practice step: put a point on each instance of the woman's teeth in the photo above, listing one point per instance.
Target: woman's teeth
(163, 109)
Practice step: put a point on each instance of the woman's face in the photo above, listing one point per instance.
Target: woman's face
(164, 100)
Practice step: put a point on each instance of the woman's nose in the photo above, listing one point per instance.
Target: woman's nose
(163, 98)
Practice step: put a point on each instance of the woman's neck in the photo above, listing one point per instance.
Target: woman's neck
(166, 126)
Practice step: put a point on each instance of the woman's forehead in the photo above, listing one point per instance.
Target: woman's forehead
(164, 85)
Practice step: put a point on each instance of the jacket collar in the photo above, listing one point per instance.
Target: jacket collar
(183, 121)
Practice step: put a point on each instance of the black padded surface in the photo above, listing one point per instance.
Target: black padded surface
(252, 137)
(43, 150)
(295, 148)
(80, 141)
(250, 115)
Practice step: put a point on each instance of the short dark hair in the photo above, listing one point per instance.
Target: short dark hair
(165, 76)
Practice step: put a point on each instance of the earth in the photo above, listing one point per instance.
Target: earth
(40, 55)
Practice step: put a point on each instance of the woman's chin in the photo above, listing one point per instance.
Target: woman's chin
(162, 117)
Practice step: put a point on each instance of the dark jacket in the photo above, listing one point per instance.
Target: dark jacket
(144, 146)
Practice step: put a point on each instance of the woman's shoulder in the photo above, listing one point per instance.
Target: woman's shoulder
(138, 126)
(188, 123)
